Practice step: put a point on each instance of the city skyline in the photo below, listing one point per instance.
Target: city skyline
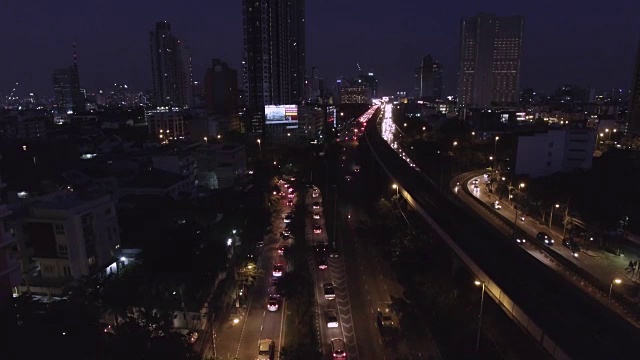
(579, 54)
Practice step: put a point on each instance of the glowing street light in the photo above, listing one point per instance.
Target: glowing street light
(480, 283)
(260, 148)
(395, 186)
(615, 281)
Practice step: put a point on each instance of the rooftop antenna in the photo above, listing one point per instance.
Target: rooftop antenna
(75, 55)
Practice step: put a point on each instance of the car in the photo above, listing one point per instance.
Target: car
(317, 229)
(287, 219)
(570, 244)
(331, 318)
(475, 181)
(277, 270)
(260, 243)
(486, 176)
(521, 241)
(348, 177)
(386, 318)
(275, 280)
(316, 216)
(476, 187)
(322, 262)
(329, 291)
(266, 349)
(291, 195)
(315, 193)
(321, 248)
(338, 349)
(497, 206)
(316, 205)
(281, 249)
(273, 303)
(192, 337)
(290, 189)
(286, 232)
(545, 238)
(289, 202)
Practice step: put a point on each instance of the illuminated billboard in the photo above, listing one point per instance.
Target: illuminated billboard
(281, 114)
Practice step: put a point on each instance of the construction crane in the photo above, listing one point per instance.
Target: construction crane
(12, 92)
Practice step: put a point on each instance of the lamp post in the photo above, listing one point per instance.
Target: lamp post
(615, 281)
(395, 186)
(453, 148)
(480, 283)
(551, 216)
(260, 148)
(206, 140)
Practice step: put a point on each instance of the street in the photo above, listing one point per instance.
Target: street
(256, 322)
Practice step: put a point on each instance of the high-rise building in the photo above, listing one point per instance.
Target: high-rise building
(221, 89)
(170, 68)
(66, 90)
(429, 83)
(634, 101)
(274, 54)
(490, 51)
(371, 82)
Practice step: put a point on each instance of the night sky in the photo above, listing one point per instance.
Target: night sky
(566, 41)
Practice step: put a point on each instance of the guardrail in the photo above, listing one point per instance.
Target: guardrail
(494, 291)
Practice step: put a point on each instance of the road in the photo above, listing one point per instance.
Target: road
(372, 279)
(583, 327)
(256, 322)
(334, 274)
(603, 266)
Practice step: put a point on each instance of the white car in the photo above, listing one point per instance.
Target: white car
(316, 216)
(277, 270)
(272, 303)
(266, 349)
(497, 206)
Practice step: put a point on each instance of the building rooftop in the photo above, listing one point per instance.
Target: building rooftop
(154, 178)
(70, 201)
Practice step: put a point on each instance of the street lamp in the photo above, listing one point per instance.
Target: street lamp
(395, 186)
(260, 148)
(206, 140)
(480, 283)
(453, 148)
(615, 281)
(551, 216)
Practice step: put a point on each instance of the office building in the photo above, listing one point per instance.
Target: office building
(221, 89)
(490, 54)
(428, 79)
(634, 101)
(274, 55)
(563, 150)
(355, 94)
(371, 82)
(219, 165)
(66, 90)
(170, 68)
(168, 124)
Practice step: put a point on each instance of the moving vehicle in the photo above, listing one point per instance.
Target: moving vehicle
(331, 318)
(316, 216)
(277, 270)
(521, 241)
(497, 206)
(570, 244)
(266, 349)
(321, 260)
(329, 291)
(545, 238)
(316, 205)
(317, 229)
(273, 303)
(338, 349)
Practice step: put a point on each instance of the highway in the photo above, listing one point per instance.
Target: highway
(582, 326)
(241, 340)
(333, 273)
(373, 282)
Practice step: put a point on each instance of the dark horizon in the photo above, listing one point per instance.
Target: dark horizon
(594, 47)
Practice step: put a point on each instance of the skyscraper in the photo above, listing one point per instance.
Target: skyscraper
(490, 50)
(634, 101)
(274, 52)
(66, 88)
(429, 83)
(170, 68)
(221, 89)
